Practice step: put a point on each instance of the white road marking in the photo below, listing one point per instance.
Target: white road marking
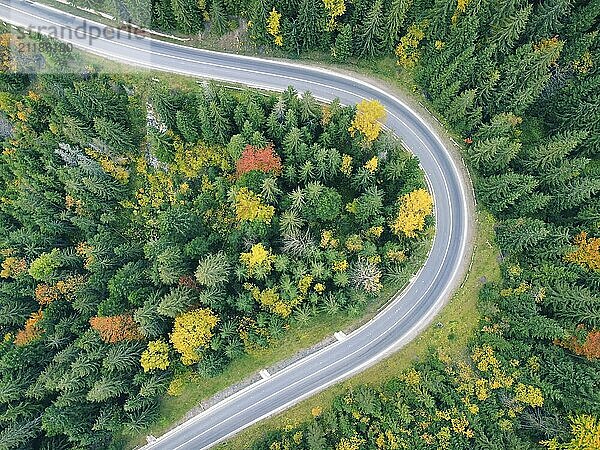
(340, 335)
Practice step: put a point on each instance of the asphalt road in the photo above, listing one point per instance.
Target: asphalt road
(406, 314)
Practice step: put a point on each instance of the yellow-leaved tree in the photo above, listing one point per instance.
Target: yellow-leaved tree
(191, 332)
(585, 430)
(156, 356)
(407, 49)
(334, 8)
(274, 27)
(367, 120)
(587, 253)
(258, 259)
(249, 206)
(414, 207)
(461, 7)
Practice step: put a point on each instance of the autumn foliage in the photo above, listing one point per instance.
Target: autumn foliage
(414, 207)
(46, 294)
(192, 331)
(13, 267)
(587, 253)
(156, 356)
(590, 347)
(116, 328)
(262, 159)
(249, 206)
(369, 114)
(274, 27)
(31, 331)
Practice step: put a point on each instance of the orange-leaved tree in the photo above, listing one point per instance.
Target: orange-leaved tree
(590, 348)
(31, 331)
(256, 158)
(116, 328)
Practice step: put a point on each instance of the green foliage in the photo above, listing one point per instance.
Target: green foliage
(518, 81)
(213, 270)
(127, 244)
(43, 267)
(342, 48)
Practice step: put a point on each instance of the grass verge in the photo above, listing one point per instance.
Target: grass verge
(301, 335)
(458, 320)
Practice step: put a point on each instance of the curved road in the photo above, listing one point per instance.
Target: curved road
(406, 314)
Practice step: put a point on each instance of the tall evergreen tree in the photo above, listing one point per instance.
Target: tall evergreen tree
(398, 10)
(368, 34)
(310, 18)
(342, 48)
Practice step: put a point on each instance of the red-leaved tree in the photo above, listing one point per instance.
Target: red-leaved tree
(263, 159)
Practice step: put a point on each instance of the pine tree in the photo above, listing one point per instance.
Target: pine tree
(122, 356)
(498, 192)
(524, 75)
(309, 20)
(106, 388)
(342, 48)
(548, 18)
(218, 18)
(188, 125)
(368, 35)
(213, 270)
(575, 193)
(162, 15)
(114, 134)
(448, 80)
(511, 28)
(178, 300)
(309, 108)
(494, 154)
(548, 154)
(219, 123)
(463, 115)
(394, 22)
(171, 265)
(518, 235)
(151, 324)
(258, 10)
(187, 15)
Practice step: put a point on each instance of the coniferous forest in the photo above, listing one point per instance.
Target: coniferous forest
(150, 232)
(519, 81)
(109, 286)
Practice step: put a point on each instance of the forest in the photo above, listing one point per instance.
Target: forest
(91, 288)
(149, 232)
(519, 82)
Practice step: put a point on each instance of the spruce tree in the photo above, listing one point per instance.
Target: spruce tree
(342, 48)
(368, 38)
(396, 16)
(310, 17)
(218, 18)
